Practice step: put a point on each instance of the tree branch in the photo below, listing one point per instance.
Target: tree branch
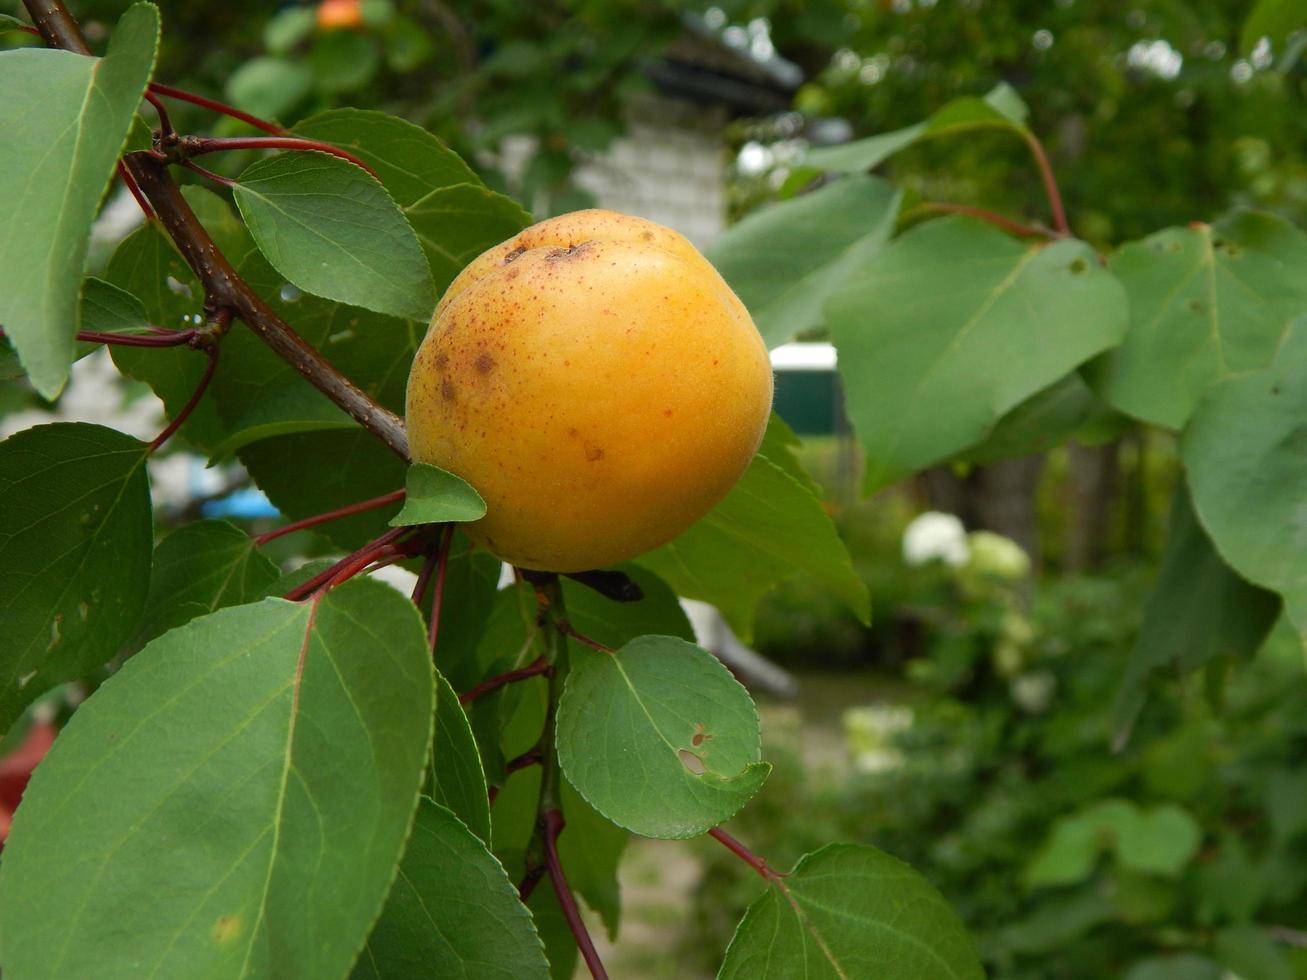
(223, 287)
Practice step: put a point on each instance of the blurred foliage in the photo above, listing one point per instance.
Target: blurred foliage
(994, 777)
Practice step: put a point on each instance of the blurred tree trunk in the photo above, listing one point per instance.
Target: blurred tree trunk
(1094, 479)
(999, 497)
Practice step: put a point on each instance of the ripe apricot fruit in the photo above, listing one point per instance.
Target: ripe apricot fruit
(598, 383)
(335, 15)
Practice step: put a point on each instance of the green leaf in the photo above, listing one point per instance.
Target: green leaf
(260, 395)
(1251, 954)
(331, 469)
(457, 780)
(1044, 420)
(849, 910)
(72, 114)
(1001, 108)
(201, 567)
(1159, 841)
(456, 224)
(1206, 302)
(1015, 317)
(332, 230)
(768, 527)
(784, 261)
(146, 265)
(268, 87)
(288, 27)
(1244, 452)
(452, 912)
(1274, 20)
(9, 23)
(616, 623)
(75, 537)
(105, 309)
(433, 496)
(220, 221)
(1068, 856)
(1198, 610)
(1186, 966)
(659, 737)
(342, 61)
(232, 802)
(410, 161)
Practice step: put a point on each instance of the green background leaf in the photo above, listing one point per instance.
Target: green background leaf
(72, 114)
(457, 779)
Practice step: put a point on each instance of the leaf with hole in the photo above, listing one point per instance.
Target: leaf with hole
(783, 261)
(1206, 303)
(71, 113)
(929, 371)
(75, 539)
(433, 496)
(232, 803)
(452, 912)
(201, 567)
(331, 229)
(659, 737)
(849, 910)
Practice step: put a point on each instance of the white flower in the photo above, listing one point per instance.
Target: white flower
(934, 535)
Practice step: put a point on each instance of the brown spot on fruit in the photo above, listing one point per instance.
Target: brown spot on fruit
(667, 412)
(447, 389)
(515, 254)
(594, 453)
(484, 363)
(442, 360)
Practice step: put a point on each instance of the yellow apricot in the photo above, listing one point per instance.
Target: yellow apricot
(597, 382)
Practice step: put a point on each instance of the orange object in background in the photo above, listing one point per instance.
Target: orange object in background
(16, 768)
(334, 15)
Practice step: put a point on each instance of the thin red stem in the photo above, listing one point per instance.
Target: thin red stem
(27, 30)
(165, 124)
(130, 181)
(373, 549)
(189, 407)
(992, 217)
(424, 577)
(438, 597)
(529, 882)
(331, 515)
(754, 861)
(200, 145)
(1050, 184)
(222, 107)
(172, 338)
(533, 669)
(554, 822)
(208, 174)
(567, 629)
(523, 761)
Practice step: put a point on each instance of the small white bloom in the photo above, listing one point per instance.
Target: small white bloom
(933, 536)
(1033, 692)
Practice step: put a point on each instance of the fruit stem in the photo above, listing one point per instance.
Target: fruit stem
(349, 509)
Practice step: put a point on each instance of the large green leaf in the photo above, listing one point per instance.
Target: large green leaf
(1206, 302)
(954, 325)
(1000, 108)
(659, 737)
(1274, 20)
(1246, 453)
(457, 779)
(768, 527)
(410, 161)
(1044, 420)
(201, 567)
(849, 910)
(456, 224)
(232, 803)
(147, 265)
(616, 623)
(785, 260)
(1198, 610)
(332, 230)
(452, 912)
(64, 118)
(75, 537)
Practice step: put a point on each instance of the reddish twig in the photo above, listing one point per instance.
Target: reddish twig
(130, 181)
(437, 598)
(553, 826)
(533, 669)
(199, 145)
(170, 338)
(189, 407)
(523, 761)
(27, 30)
(424, 577)
(208, 174)
(1050, 184)
(993, 218)
(331, 515)
(754, 861)
(372, 551)
(567, 629)
(165, 124)
(204, 102)
(529, 882)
